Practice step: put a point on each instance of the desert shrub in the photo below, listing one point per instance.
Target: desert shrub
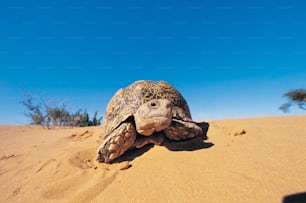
(297, 97)
(34, 111)
(44, 114)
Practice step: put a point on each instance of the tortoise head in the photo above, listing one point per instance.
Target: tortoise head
(153, 116)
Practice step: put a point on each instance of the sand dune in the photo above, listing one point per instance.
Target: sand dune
(243, 160)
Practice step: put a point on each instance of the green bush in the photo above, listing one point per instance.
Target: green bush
(43, 114)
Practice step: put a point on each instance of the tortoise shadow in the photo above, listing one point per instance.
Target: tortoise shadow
(295, 198)
(193, 144)
(188, 145)
(131, 154)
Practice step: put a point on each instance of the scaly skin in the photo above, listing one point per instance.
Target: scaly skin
(182, 130)
(116, 143)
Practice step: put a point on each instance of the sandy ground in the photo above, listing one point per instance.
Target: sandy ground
(265, 164)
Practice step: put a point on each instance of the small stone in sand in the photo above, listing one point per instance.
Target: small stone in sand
(242, 132)
(124, 165)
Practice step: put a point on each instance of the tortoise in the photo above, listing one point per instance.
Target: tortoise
(145, 112)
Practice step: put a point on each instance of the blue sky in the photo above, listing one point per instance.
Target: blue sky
(229, 59)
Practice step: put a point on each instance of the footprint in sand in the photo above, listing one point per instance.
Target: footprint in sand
(83, 159)
(80, 186)
(88, 179)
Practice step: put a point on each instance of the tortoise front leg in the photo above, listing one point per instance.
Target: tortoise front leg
(116, 143)
(181, 130)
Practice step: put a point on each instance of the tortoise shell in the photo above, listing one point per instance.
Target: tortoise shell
(126, 101)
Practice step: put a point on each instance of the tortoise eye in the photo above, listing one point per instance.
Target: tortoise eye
(153, 104)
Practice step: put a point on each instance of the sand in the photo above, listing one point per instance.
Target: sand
(243, 160)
